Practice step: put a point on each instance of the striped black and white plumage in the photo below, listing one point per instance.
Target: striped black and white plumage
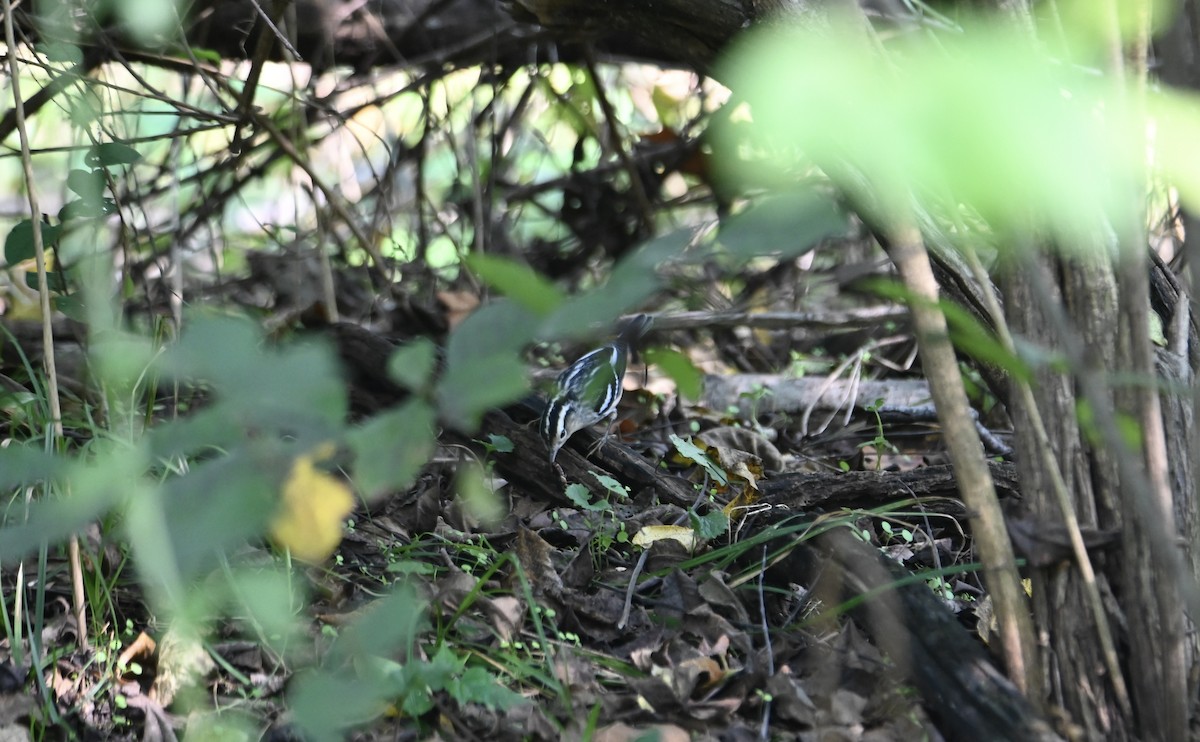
(588, 390)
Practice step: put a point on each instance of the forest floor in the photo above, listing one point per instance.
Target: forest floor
(668, 582)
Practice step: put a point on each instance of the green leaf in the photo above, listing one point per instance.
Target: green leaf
(86, 209)
(148, 23)
(633, 280)
(179, 530)
(477, 685)
(386, 626)
(517, 281)
(483, 364)
(32, 281)
(71, 305)
(612, 485)
(986, 116)
(1177, 116)
(786, 224)
(120, 358)
(710, 526)
(500, 443)
(581, 496)
(417, 681)
(111, 153)
(689, 450)
(61, 51)
(390, 448)
(412, 364)
(326, 704)
(966, 332)
(89, 184)
(208, 428)
(973, 338)
(578, 494)
(268, 597)
(688, 379)
(24, 464)
(296, 387)
(18, 246)
(96, 487)
(204, 54)
(53, 280)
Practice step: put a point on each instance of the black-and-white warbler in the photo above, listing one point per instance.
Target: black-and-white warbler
(589, 389)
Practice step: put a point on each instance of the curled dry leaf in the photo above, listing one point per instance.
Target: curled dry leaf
(762, 453)
(182, 662)
(141, 647)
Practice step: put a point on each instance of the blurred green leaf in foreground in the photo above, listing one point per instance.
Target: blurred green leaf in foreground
(1031, 139)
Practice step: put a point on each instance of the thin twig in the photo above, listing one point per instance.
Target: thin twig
(832, 320)
(279, 35)
(39, 252)
(332, 196)
(851, 390)
(637, 571)
(765, 727)
(635, 179)
(246, 104)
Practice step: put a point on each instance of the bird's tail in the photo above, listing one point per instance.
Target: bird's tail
(632, 331)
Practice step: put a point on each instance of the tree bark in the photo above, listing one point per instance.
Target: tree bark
(1072, 665)
(362, 34)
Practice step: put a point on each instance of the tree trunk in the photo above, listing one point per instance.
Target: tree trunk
(1145, 590)
(1072, 665)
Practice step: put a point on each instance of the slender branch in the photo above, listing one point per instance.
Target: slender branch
(610, 116)
(764, 728)
(39, 252)
(1165, 712)
(967, 456)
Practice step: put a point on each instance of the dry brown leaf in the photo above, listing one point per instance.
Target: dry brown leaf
(737, 463)
(458, 304)
(718, 594)
(16, 706)
(846, 708)
(740, 503)
(157, 726)
(63, 685)
(507, 614)
(746, 440)
(182, 662)
(789, 698)
(534, 554)
(697, 675)
(143, 646)
(575, 672)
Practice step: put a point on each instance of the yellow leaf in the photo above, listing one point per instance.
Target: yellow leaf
(314, 504)
(743, 500)
(649, 534)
